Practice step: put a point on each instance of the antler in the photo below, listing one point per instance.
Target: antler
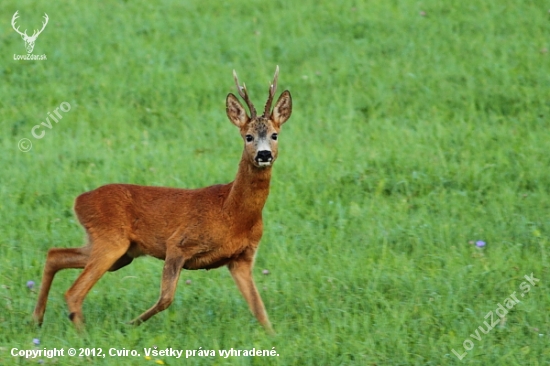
(244, 94)
(43, 26)
(13, 19)
(35, 34)
(272, 88)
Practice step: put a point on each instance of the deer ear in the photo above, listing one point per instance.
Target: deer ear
(235, 111)
(283, 108)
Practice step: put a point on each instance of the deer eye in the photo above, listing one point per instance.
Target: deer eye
(249, 138)
(274, 136)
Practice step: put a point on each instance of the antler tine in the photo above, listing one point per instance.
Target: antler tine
(43, 25)
(272, 88)
(13, 19)
(244, 94)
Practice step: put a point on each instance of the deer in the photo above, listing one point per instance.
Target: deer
(203, 228)
(29, 41)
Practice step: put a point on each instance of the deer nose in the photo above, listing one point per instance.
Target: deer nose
(264, 156)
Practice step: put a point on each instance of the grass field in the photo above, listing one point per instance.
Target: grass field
(418, 128)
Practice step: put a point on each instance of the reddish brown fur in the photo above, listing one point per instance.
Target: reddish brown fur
(187, 228)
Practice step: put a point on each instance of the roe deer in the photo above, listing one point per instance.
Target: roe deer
(188, 228)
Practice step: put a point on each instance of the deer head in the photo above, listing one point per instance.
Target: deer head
(259, 133)
(29, 41)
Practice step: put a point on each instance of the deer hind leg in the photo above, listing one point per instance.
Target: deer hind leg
(57, 259)
(121, 262)
(103, 256)
(170, 276)
(241, 271)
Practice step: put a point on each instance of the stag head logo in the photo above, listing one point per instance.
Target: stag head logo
(29, 41)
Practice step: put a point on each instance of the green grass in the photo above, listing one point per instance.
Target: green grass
(412, 134)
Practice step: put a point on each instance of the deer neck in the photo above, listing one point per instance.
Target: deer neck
(249, 191)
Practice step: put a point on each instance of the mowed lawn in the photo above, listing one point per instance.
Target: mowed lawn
(408, 204)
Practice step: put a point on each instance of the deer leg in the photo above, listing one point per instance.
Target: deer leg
(121, 262)
(57, 259)
(170, 276)
(102, 257)
(241, 271)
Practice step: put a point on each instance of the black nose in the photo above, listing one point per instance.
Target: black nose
(264, 156)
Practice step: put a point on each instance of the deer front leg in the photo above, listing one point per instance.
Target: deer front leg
(241, 271)
(170, 276)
